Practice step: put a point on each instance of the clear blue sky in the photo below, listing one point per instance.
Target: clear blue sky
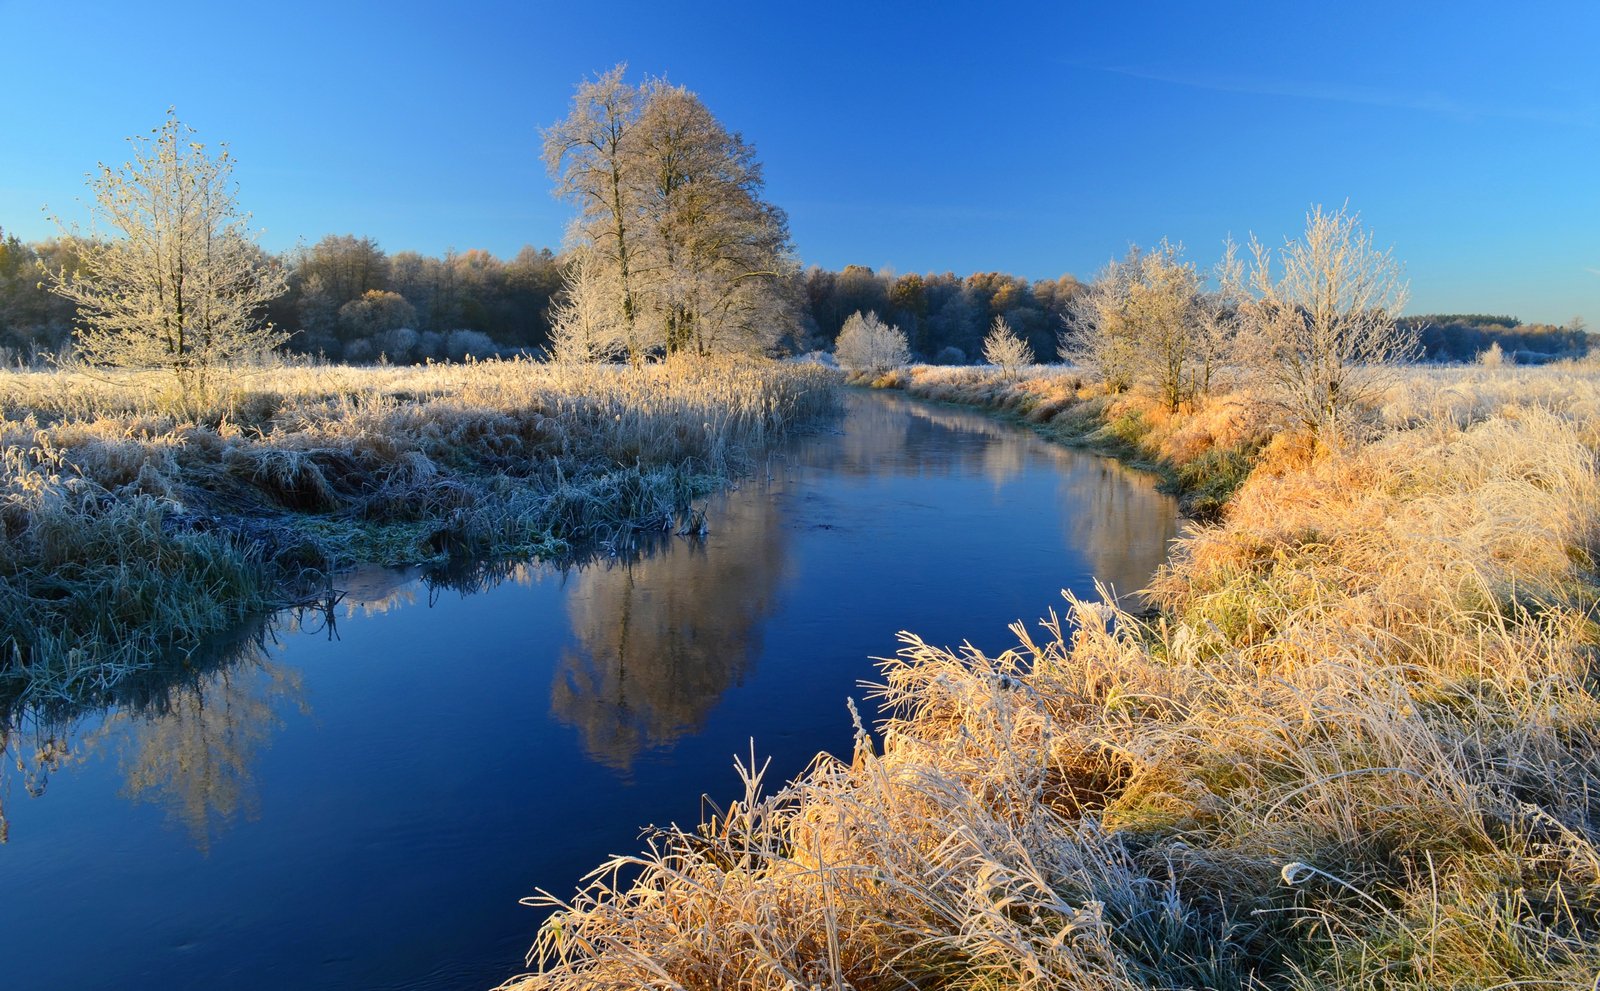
(1036, 139)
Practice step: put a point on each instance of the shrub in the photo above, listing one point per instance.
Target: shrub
(867, 344)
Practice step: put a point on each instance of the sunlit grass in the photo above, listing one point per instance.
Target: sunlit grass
(1356, 748)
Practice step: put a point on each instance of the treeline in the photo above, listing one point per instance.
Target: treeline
(349, 300)
(1464, 336)
(944, 316)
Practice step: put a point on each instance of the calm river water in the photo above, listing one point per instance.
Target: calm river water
(361, 806)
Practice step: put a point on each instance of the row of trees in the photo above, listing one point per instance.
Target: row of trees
(1467, 336)
(347, 299)
(1308, 322)
(944, 316)
(343, 298)
(674, 252)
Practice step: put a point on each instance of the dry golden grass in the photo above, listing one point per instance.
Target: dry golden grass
(1357, 748)
(1201, 452)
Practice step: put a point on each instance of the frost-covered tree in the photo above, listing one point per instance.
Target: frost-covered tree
(867, 344)
(1322, 324)
(1163, 305)
(670, 208)
(1140, 323)
(1099, 336)
(1218, 356)
(591, 155)
(1005, 350)
(171, 277)
(714, 261)
(375, 312)
(582, 325)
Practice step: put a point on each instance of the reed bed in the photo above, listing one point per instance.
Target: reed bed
(133, 525)
(1356, 748)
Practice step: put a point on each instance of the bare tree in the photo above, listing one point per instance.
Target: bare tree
(1323, 327)
(1005, 350)
(1162, 307)
(867, 344)
(582, 327)
(590, 154)
(175, 281)
(1136, 323)
(1216, 334)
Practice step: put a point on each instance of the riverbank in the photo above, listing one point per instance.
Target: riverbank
(131, 529)
(1202, 455)
(1354, 749)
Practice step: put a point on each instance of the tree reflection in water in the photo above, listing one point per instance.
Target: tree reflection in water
(184, 731)
(660, 638)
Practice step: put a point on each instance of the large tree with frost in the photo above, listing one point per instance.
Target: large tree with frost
(590, 154)
(716, 255)
(671, 218)
(170, 277)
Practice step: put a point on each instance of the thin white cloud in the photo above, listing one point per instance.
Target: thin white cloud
(1593, 271)
(1438, 104)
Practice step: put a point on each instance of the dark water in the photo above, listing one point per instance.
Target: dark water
(362, 806)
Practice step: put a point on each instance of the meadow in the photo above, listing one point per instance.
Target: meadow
(136, 525)
(1346, 739)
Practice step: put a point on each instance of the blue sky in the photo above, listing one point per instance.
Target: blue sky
(1036, 139)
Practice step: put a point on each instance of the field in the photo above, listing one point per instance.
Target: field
(1348, 741)
(132, 528)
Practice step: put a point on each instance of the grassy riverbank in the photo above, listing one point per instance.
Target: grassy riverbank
(1355, 748)
(1202, 454)
(130, 528)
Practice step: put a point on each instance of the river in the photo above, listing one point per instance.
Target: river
(358, 797)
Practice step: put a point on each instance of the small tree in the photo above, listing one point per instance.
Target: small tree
(1139, 322)
(180, 283)
(1217, 318)
(867, 344)
(1163, 308)
(582, 327)
(376, 312)
(1323, 328)
(1098, 335)
(1005, 350)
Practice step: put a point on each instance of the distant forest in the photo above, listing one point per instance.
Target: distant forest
(1463, 336)
(349, 300)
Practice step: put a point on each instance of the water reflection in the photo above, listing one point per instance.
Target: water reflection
(661, 638)
(1113, 516)
(658, 630)
(192, 751)
(484, 729)
(184, 731)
